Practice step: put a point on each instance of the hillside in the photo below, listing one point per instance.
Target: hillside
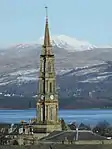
(83, 71)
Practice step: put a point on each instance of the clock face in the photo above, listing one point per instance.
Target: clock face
(42, 97)
(51, 97)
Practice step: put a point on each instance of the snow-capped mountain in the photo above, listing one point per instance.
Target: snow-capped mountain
(80, 72)
(19, 64)
(69, 43)
(61, 41)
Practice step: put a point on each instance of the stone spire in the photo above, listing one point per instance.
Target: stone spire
(47, 105)
(47, 36)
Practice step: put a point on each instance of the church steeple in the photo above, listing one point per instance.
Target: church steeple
(47, 35)
(47, 105)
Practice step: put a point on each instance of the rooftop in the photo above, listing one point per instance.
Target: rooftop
(57, 136)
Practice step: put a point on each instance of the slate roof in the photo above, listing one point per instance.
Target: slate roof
(57, 136)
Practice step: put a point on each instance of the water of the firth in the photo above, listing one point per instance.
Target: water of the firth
(91, 117)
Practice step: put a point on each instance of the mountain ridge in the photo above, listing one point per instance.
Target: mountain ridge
(61, 41)
(81, 74)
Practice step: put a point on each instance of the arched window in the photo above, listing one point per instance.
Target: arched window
(43, 87)
(42, 65)
(51, 114)
(46, 112)
(50, 87)
(54, 86)
(46, 85)
(40, 86)
(49, 67)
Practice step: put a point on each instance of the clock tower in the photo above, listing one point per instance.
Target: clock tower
(47, 105)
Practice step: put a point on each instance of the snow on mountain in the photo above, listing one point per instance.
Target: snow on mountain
(69, 43)
(26, 79)
(62, 71)
(61, 41)
(96, 79)
(92, 74)
(31, 45)
(24, 72)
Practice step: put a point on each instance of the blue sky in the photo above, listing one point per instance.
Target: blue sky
(23, 20)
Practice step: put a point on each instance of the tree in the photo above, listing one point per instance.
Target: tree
(101, 127)
(63, 124)
(104, 124)
(82, 126)
(72, 126)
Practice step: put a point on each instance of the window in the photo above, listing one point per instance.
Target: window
(50, 87)
(51, 114)
(43, 87)
(54, 87)
(46, 85)
(40, 86)
(46, 112)
(42, 65)
(49, 67)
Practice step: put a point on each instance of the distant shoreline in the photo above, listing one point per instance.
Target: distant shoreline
(59, 109)
(16, 108)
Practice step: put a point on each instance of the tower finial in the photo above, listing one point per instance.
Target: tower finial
(46, 13)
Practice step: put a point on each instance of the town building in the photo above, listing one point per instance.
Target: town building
(46, 128)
